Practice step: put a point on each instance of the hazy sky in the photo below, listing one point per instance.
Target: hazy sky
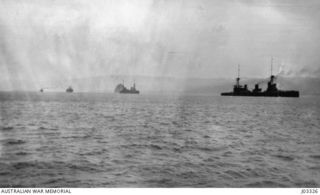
(64, 39)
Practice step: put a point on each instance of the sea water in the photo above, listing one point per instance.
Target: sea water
(114, 140)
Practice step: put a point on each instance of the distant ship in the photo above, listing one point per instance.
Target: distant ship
(69, 89)
(120, 88)
(271, 91)
(41, 90)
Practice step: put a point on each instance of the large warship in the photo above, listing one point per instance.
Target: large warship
(122, 89)
(271, 91)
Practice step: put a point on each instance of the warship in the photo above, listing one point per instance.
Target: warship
(69, 89)
(271, 91)
(120, 88)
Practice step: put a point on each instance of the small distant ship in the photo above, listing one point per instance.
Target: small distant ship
(271, 91)
(120, 88)
(69, 89)
(41, 90)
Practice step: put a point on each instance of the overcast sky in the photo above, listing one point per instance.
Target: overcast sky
(63, 39)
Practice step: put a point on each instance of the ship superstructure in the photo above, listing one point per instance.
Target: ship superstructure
(120, 88)
(69, 89)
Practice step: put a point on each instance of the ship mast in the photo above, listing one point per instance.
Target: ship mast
(238, 78)
(271, 64)
(271, 77)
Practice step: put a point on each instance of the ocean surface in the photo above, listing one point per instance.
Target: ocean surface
(113, 140)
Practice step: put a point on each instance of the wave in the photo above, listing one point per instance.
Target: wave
(284, 157)
(315, 157)
(14, 142)
(266, 184)
(7, 128)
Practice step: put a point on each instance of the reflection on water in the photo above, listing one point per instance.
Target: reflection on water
(112, 140)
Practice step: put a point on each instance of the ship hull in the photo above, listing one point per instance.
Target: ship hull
(265, 94)
(129, 92)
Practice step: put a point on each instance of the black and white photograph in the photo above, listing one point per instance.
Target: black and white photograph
(160, 94)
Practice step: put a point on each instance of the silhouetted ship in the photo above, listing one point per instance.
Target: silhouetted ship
(69, 90)
(41, 90)
(271, 91)
(122, 89)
